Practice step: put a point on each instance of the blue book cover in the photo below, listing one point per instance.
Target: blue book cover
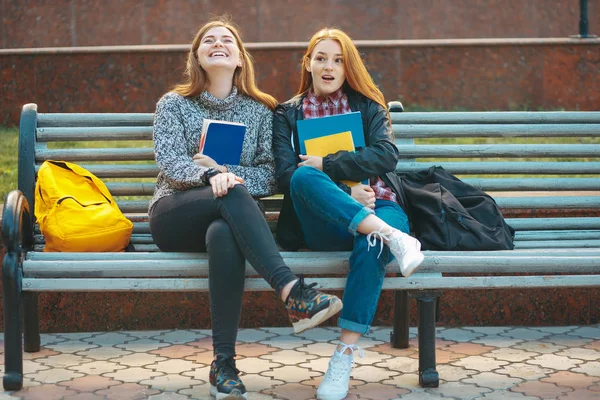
(222, 141)
(309, 129)
(324, 126)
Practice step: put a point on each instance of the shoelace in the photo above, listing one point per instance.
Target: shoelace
(226, 366)
(372, 240)
(339, 367)
(306, 290)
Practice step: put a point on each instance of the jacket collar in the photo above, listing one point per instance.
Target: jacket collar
(355, 100)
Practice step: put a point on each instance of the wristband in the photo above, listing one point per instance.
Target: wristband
(209, 174)
(347, 189)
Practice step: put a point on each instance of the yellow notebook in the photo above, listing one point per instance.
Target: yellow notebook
(331, 144)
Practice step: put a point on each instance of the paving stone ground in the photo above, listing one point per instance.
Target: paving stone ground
(474, 363)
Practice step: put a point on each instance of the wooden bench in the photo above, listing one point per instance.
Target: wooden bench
(553, 251)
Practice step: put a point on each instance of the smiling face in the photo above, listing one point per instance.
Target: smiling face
(218, 49)
(327, 67)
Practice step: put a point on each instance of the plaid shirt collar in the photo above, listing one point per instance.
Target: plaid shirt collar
(335, 98)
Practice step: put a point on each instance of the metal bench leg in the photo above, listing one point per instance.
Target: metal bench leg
(399, 335)
(31, 322)
(13, 345)
(428, 375)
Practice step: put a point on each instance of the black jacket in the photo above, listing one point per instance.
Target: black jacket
(378, 158)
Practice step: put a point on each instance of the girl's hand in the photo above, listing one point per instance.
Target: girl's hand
(205, 161)
(221, 183)
(311, 161)
(364, 194)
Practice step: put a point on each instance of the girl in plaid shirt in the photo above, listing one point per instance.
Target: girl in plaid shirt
(326, 214)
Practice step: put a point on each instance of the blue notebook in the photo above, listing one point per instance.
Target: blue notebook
(310, 129)
(222, 141)
(324, 126)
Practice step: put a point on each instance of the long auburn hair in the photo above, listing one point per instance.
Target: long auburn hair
(357, 76)
(243, 77)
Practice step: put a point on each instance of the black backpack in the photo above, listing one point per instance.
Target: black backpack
(449, 214)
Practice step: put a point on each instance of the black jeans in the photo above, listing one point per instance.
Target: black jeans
(231, 229)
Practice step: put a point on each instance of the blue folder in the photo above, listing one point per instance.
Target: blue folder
(324, 126)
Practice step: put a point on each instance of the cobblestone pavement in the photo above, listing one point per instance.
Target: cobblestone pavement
(473, 363)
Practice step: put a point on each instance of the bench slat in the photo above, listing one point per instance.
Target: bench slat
(521, 245)
(521, 224)
(120, 170)
(557, 235)
(515, 167)
(106, 154)
(131, 188)
(495, 131)
(545, 244)
(258, 284)
(497, 117)
(290, 255)
(311, 263)
(484, 117)
(534, 184)
(499, 150)
(565, 202)
(145, 238)
(93, 119)
(457, 168)
(69, 134)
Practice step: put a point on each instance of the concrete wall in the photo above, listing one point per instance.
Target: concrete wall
(58, 23)
(448, 75)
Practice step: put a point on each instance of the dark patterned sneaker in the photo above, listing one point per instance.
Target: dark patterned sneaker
(308, 307)
(225, 384)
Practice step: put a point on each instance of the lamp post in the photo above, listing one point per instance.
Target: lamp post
(583, 20)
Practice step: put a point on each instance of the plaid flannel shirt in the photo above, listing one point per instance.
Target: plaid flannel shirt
(314, 106)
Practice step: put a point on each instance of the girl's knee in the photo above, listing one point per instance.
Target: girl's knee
(219, 231)
(302, 177)
(239, 193)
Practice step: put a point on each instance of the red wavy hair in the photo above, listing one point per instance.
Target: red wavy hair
(357, 76)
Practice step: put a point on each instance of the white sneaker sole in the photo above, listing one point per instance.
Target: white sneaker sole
(407, 270)
(331, 396)
(334, 307)
(227, 396)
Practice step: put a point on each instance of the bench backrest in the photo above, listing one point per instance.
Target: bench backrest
(496, 151)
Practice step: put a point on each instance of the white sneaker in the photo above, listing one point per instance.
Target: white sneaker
(407, 251)
(336, 381)
(405, 248)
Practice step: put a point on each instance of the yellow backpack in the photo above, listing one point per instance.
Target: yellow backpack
(76, 212)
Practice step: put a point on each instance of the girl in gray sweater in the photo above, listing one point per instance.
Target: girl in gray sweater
(201, 206)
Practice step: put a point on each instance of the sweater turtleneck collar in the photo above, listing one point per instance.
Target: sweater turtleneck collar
(211, 102)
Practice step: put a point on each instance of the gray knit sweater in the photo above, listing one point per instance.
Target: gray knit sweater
(177, 127)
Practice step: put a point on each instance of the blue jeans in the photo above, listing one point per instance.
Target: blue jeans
(329, 218)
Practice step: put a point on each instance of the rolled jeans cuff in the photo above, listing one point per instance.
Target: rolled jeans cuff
(353, 326)
(358, 218)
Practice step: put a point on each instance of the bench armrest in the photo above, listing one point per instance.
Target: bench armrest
(395, 106)
(17, 223)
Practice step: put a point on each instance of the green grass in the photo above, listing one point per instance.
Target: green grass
(9, 139)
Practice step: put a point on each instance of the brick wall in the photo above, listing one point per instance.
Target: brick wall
(487, 74)
(69, 23)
